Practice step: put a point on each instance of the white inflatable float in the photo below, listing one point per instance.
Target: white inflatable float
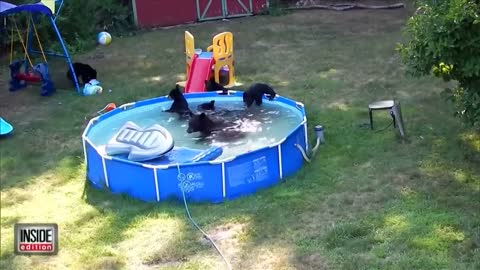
(140, 144)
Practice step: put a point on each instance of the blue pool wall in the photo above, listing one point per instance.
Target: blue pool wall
(209, 181)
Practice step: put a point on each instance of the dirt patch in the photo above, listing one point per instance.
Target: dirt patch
(227, 231)
(164, 262)
(312, 261)
(16, 105)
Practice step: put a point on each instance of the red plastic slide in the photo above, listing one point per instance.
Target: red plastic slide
(200, 71)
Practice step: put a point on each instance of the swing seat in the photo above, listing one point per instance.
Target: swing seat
(28, 76)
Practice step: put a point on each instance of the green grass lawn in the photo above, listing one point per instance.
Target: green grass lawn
(367, 201)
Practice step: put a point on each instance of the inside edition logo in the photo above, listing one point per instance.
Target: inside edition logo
(36, 238)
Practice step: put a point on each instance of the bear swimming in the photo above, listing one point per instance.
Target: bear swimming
(205, 124)
(83, 71)
(214, 127)
(180, 104)
(255, 93)
(209, 106)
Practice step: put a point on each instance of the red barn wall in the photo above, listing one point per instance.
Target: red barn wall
(151, 13)
(259, 5)
(165, 13)
(214, 10)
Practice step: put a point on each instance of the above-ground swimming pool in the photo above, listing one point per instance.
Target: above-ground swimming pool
(266, 154)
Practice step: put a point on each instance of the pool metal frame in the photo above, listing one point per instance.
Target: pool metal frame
(212, 181)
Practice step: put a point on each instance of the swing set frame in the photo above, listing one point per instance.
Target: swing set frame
(27, 76)
(9, 10)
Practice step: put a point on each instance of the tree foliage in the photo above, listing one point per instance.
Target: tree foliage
(79, 22)
(445, 41)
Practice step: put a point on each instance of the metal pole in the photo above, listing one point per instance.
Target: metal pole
(198, 9)
(58, 10)
(224, 8)
(29, 41)
(65, 52)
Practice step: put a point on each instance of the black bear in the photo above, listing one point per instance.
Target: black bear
(180, 104)
(204, 124)
(83, 71)
(212, 85)
(215, 127)
(208, 106)
(255, 93)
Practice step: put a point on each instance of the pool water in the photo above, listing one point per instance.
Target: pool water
(263, 125)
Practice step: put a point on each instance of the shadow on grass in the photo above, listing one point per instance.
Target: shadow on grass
(430, 220)
(157, 246)
(426, 228)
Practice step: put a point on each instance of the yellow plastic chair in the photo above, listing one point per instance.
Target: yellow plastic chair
(222, 49)
(189, 50)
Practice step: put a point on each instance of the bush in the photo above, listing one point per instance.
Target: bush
(80, 21)
(445, 42)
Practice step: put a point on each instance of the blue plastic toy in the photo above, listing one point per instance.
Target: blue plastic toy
(92, 88)
(5, 127)
(48, 88)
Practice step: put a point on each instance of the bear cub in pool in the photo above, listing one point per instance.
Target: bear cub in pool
(255, 93)
(211, 126)
(83, 71)
(212, 85)
(180, 104)
(208, 106)
(205, 124)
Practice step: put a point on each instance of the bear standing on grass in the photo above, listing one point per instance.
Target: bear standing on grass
(255, 93)
(83, 71)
